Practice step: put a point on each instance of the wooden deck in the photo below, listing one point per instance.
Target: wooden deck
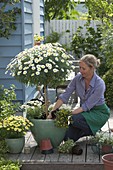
(57, 161)
(32, 159)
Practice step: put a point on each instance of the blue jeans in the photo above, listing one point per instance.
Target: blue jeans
(78, 128)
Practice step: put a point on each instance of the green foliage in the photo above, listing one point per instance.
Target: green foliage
(88, 43)
(66, 147)
(101, 10)
(3, 148)
(9, 165)
(7, 105)
(62, 117)
(92, 42)
(53, 37)
(8, 17)
(107, 51)
(107, 47)
(108, 78)
(60, 9)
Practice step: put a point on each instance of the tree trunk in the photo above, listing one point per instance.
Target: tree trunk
(46, 100)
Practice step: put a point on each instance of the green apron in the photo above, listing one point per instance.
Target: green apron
(97, 117)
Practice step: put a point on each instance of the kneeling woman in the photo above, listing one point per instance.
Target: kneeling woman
(90, 88)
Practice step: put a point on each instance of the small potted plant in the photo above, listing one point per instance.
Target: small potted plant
(102, 142)
(15, 128)
(38, 39)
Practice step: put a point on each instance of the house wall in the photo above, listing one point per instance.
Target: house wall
(38, 17)
(19, 40)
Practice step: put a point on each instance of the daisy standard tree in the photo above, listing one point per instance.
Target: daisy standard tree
(48, 65)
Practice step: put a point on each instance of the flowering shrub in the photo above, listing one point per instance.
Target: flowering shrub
(47, 64)
(15, 126)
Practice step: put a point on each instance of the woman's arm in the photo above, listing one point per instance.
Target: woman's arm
(78, 110)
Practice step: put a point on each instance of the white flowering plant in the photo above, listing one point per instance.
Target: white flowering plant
(102, 138)
(33, 109)
(48, 64)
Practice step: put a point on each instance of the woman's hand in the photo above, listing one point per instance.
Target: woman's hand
(52, 114)
(49, 116)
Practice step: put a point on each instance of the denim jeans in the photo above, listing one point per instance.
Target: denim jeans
(78, 128)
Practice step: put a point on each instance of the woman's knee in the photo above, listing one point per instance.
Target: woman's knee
(76, 117)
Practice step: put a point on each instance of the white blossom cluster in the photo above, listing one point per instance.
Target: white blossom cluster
(47, 61)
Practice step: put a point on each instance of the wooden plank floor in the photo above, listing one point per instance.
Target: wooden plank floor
(36, 160)
(57, 161)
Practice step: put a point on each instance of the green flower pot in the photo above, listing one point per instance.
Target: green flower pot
(45, 129)
(15, 145)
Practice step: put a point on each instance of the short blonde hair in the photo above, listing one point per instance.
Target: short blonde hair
(90, 60)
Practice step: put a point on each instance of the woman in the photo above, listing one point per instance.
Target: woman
(93, 112)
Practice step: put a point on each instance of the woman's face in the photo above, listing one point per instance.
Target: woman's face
(85, 70)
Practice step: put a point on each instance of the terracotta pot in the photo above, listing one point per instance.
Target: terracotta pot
(46, 146)
(37, 43)
(108, 161)
(106, 149)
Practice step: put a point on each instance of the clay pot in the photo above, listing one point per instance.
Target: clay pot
(46, 146)
(106, 149)
(108, 161)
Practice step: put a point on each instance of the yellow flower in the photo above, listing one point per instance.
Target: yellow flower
(38, 38)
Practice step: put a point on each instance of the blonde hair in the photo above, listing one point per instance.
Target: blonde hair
(90, 60)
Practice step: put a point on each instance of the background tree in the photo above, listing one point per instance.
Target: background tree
(8, 17)
(60, 9)
(100, 10)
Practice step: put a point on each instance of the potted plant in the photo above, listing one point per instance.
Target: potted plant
(102, 142)
(15, 128)
(48, 65)
(52, 129)
(38, 39)
(108, 161)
